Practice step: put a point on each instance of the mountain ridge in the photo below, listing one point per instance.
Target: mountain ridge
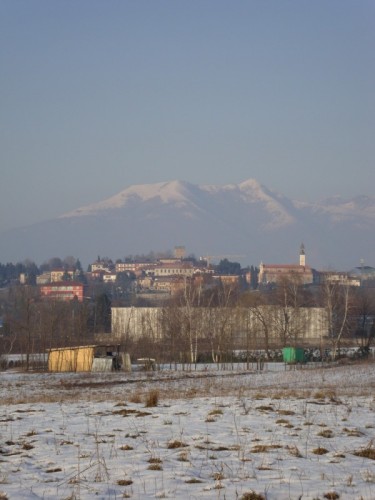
(246, 218)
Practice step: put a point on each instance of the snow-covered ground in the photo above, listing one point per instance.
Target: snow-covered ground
(285, 434)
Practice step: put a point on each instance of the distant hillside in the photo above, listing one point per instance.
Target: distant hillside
(244, 219)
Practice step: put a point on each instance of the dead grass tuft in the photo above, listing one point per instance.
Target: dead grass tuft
(294, 451)
(52, 470)
(218, 476)
(286, 412)
(265, 408)
(282, 421)
(331, 495)
(327, 433)
(216, 411)
(353, 432)
(325, 394)
(125, 412)
(155, 467)
(193, 481)
(320, 451)
(259, 395)
(135, 398)
(124, 482)
(183, 456)
(126, 447)
(263, 448)
(176, 444)
(27, 446)
(368, 452)
(252, 495)
(152, 398)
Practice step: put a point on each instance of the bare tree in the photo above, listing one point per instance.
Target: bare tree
(337, 300)
(289, 321)
(364, 309)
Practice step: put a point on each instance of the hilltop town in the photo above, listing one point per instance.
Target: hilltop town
(182, 308)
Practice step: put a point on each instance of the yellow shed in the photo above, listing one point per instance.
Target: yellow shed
(71, 359)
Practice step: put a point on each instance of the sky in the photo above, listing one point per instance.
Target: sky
(96, 96)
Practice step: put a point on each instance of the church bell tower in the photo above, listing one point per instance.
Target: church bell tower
(302, 255)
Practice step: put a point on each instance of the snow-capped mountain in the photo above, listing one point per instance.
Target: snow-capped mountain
(246, 218)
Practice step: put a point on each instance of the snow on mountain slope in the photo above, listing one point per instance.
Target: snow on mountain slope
(360, 208)
(183, 195)
(176, 192)
(245, 218)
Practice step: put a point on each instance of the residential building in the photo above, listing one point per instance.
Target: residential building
(176, 268)
(58, 274)
(134, 266)
(109, 277)
(62, 290)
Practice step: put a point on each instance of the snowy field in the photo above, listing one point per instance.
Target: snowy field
(287, 434)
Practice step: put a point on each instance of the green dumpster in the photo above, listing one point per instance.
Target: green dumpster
(293, 355)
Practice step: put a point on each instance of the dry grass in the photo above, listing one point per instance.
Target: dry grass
(176, 444)
(265, 408)
(320, 451)
(263, 448)
(155, 467)
(331, 495)
(126, 447)
(286, 412)
(252, 495)
(353, 432)
(327, 433)
(294, 451)
(368, 452)
(135, 397)
(183, 456)
(124, 482)
(126, 412)
(152, 398)
(216, 411)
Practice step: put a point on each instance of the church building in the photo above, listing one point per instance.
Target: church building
(272, 273)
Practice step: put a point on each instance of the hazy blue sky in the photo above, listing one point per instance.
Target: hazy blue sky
(98, 95)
